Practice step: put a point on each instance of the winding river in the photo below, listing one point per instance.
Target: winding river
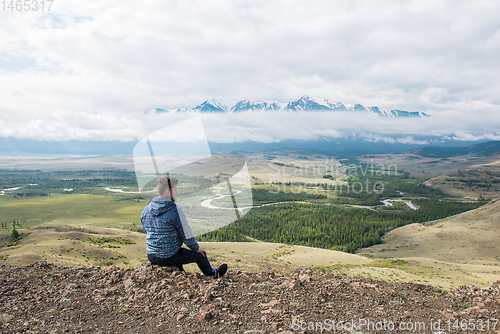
(388, 202)
(2, 192)
(208, 202)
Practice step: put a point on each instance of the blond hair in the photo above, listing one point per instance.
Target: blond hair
(163, 185)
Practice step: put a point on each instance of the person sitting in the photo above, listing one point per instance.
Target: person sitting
(166, 229)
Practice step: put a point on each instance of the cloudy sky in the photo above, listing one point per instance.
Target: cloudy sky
(88, 69)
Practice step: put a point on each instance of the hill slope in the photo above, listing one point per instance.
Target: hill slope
(470, 237)
(475, 181)
(76, 246)
(483, 149)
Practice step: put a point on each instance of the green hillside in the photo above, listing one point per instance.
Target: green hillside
(482, 149)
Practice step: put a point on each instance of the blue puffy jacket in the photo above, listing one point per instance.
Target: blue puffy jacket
(166, 228)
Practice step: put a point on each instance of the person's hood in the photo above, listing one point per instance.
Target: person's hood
(161, 204)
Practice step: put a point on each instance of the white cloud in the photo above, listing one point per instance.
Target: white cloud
(83, 69)
(375, 138)
(265, 127)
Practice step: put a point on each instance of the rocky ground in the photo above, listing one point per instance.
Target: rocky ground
(43, 298)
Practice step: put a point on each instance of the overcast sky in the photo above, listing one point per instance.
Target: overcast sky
(88, 69)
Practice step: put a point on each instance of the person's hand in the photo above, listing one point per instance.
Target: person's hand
(202, 252)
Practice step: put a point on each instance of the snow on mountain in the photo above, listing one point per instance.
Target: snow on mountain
(359, 107)
(247, 105)
(305, 103)
(396, 113)
(211, 106)
(156, 111)
(339, 106)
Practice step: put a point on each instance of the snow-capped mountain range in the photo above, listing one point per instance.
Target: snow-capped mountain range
(305, 103)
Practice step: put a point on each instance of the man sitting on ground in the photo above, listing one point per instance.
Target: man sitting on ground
(167, 229)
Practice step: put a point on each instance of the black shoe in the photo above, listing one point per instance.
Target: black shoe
(221, 271)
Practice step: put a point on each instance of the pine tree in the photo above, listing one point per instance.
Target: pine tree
(15, 234)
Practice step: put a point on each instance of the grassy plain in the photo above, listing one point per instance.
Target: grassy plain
(72, 209)
(475, 181)
(280, 167)
(66, 162)
(427, 167)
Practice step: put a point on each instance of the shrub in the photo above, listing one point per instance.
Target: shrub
(5, 318)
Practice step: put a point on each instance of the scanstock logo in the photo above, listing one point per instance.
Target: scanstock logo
(214, 190)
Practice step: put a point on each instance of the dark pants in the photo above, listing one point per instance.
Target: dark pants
(184, 256)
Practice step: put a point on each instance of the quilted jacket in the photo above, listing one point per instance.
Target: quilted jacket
(166, 228)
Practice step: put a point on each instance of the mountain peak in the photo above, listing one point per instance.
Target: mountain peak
(304, 103)
(211, 106)
(156, 111)
(248, 105)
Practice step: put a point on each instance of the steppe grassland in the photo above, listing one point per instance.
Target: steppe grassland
(66, 162)
(73, 209)
(67, 245)
(468, 238)
(427, 167)
(472, 182)
(281, 168)
(71, 246)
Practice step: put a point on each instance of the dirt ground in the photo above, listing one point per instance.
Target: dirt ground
(43, 298)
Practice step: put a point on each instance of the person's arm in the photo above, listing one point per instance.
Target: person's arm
(185, 232)
(143, 218)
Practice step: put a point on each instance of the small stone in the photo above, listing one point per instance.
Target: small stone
(304, 278)
(180, 316)
(204, 316)
(146, 309)
(128, 283)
